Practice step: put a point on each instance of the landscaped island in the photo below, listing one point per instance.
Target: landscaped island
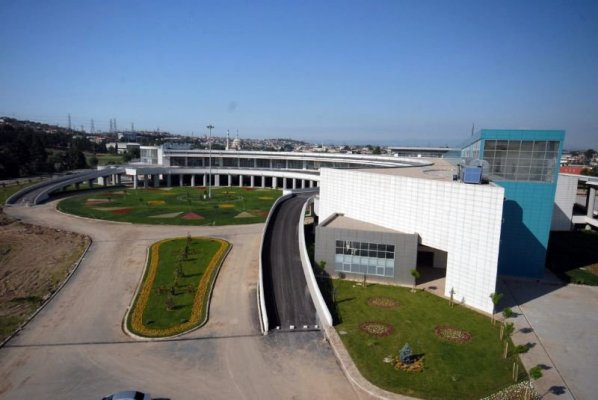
(456, 353)
(175, 206)
(177, 285)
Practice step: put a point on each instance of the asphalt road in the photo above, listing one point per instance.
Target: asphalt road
(75, 348)
(288, 302)
(39, 192)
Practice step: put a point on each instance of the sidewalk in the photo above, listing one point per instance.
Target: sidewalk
(551, 385)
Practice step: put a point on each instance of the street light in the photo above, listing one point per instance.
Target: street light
(210, 127)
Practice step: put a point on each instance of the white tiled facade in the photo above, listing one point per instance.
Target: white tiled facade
(463, 220)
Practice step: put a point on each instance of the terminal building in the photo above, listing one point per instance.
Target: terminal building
(470, 218)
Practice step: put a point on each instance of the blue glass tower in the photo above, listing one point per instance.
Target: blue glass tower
(525, 163)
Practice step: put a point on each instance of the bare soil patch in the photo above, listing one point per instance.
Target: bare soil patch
(376, 328)
(383, 302)
(452, 334)
(34, 260)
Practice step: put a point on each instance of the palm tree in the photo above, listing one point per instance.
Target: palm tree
(496, 297)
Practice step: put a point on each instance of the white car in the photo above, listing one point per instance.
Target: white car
(128, 395)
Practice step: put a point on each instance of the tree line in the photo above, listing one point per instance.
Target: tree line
(26, 151)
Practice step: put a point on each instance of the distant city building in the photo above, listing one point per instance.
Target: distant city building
(572, 169)
(122, 147)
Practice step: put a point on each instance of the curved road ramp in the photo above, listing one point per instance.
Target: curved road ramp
(289, 306)
(40, 192)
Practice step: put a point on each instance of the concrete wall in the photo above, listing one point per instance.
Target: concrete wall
(463, 220)
(405, 251)
(314, 290)
(564, 199)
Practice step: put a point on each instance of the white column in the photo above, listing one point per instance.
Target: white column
(263, 181)
(217, 180)
(192, 179)
(311, 183)
(230, 180)
(284, 183)
(252, 181)
(302, 183)
(181, 180)
(135, 181)
(294, 183)
(591, 202)
(274, 182)
(240, 180)
(205, 180)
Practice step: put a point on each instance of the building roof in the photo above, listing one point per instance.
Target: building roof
(441, 169)
(342, 222)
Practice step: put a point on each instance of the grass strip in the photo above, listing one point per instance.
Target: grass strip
(176, 289)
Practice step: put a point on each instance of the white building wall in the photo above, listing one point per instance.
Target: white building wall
(564, 199)
(463, 220)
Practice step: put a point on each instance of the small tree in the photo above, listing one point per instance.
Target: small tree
(406, 355)
(507, 312)
(322, 265)
(170, 304)
(509, 329)
(415, 274)
(496, 297)
(535, 372)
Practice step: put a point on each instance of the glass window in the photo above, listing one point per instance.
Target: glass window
(363, 257)
(261, 163)
(246, 162)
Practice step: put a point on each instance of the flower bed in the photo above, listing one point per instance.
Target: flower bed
(383, 302)
(452, 334)
(200, 304)
(376, 328)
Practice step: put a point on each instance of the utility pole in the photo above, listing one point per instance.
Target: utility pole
(210, 127)
(69, 121)
(93, 129)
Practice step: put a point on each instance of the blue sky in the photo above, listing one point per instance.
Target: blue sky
(384, 72)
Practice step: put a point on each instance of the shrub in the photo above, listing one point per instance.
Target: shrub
(535, 372)
(519, 349)
(507, 312)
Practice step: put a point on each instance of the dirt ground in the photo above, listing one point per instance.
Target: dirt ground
(33, 262)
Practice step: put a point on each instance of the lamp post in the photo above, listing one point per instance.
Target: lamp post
(210, 127)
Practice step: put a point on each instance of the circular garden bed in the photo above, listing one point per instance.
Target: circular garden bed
(452, 334)
(376, 328)
(382, 302)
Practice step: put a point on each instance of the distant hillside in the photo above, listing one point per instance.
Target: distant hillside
(25, 145)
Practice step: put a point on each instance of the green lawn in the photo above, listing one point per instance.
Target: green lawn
(573, 256)
(451, 370)
(178, 290)
(175, 206)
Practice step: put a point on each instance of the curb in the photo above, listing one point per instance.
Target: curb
(352, 373)
(58, 289)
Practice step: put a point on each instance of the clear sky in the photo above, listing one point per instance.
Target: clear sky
(385, 72)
